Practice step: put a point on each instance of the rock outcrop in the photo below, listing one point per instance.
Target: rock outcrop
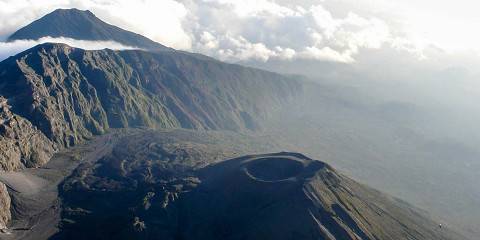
(5, 201)
(21, 143)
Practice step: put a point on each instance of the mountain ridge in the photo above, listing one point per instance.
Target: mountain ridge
(70, 94)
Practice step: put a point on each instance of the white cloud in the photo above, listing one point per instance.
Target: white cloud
(263, 29)
(327, 54)
(158, 20)
(8, 49)
(246, 8)
(231, 30)
(324, 20)
(208, 40)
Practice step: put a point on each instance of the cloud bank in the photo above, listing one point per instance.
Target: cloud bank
(261, 30)
(8, 49)
(227, 29)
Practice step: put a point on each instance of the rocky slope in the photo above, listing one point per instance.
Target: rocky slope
(5, 201)
(21, 143)
(69, 94)
(169, 186)
(84, 25)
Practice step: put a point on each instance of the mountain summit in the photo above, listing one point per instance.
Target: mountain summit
(84, 25)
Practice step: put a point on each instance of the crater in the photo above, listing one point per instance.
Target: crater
(274, 169)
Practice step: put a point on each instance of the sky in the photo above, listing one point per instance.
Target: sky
(233, 30)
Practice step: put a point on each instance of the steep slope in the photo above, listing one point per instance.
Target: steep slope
(21, 144)
(171, 187)
(5, 201)
(84, 25)
(68, 94)
(293, 197)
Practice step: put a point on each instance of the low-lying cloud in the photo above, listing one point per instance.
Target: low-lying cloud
(8, 49)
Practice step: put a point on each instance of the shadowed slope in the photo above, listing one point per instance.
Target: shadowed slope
(289, 196)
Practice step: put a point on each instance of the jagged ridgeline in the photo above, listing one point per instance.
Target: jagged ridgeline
(55, 96)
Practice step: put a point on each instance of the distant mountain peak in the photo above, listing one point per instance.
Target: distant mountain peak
(82, 25)
(71, 11)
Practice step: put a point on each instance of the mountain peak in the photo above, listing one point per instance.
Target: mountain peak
(82, 25)
(71, 11)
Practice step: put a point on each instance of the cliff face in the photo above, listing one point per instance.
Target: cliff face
(21, 143)
(5, 214)
(58, 96)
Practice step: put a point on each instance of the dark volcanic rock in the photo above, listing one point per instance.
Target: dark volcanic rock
(154, 188)
(83, 25)
(70, 94)
(289, 196)
(144, 175)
